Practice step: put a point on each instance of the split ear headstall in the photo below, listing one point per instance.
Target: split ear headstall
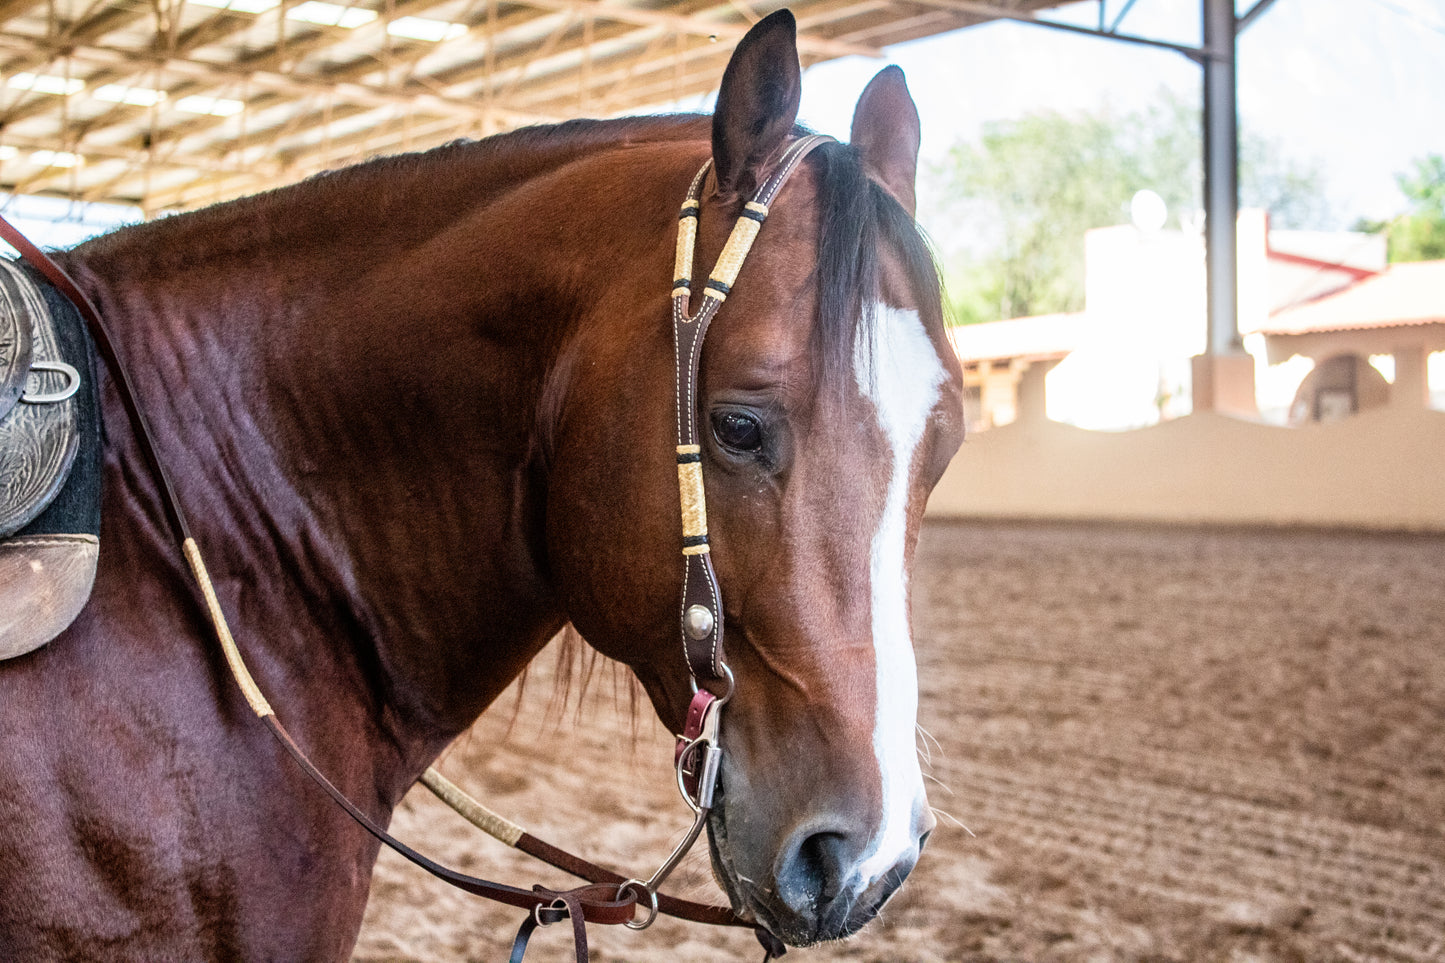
(702, 614)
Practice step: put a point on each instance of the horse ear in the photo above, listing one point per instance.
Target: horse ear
(757, 103)
(886, 133)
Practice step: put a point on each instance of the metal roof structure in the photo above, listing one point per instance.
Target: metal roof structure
(170, 104)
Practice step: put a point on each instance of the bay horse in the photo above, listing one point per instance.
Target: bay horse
(420, 412)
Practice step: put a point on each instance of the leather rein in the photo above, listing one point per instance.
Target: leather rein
(609, 898)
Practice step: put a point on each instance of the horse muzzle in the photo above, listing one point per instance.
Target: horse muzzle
(827, 880)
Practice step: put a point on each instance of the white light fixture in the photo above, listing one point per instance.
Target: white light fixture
(124, 94)
(46, 84)
(217, 106)
(425, 28)
(331, 14)
(1148, 211)
(55, 158)
(240, 6)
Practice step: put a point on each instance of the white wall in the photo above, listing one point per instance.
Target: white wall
(1384, 469)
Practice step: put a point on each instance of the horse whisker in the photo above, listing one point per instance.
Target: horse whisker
(951, 818)
(939, 783)
(930, 742)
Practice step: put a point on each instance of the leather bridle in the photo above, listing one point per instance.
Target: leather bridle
(609, 899)
(698, 756)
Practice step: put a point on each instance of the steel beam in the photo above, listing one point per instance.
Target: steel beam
(992, 11)
(1252, 14)
(1221, 178)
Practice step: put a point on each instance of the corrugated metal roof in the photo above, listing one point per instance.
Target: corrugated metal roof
(173, 103)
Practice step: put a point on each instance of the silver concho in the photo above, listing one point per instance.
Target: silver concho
(697, 622)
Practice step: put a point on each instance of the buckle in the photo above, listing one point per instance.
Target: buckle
(558, 904)
(72, 384)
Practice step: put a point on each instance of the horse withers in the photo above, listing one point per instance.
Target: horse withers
(422, 412)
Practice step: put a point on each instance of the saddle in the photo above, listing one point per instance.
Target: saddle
(49, 462)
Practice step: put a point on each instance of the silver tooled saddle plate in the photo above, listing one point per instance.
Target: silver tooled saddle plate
(45, 579)
(39, 432)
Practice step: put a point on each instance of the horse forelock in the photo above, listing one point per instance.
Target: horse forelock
(858, 222)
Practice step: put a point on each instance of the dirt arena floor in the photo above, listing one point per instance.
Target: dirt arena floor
(1166, 744)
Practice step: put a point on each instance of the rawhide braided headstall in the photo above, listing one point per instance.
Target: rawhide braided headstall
(609, 899)
(702, 616)
(698, 755)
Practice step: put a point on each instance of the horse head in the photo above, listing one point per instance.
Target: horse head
(828, 402)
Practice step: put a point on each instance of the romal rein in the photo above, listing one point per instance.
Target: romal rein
(609, 898)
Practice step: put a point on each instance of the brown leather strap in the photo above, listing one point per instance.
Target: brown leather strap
(704, 651)
(669, 905)
(515, 836)
(599, 904)
(564, 905)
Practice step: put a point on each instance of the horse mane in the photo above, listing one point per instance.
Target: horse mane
(575, 667)
(856, 214)
(463, 173)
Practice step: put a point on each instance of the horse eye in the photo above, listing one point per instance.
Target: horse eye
(737, 430)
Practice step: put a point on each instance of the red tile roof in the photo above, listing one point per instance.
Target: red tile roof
(1402, 294)
(1038, 338)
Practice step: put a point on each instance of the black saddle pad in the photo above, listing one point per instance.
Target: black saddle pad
(75, 508)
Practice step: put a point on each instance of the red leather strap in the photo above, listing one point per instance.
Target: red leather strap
(702, 701)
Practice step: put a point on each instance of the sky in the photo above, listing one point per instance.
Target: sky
(1357, 86)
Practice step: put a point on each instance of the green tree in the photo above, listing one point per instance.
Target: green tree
(1017, 201)
(1419, 233)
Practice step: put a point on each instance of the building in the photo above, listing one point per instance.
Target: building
(1306, 300)
(1397, 313)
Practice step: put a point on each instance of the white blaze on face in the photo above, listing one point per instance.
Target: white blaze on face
(899, 370)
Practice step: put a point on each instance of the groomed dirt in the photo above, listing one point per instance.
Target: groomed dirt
(1166, 744)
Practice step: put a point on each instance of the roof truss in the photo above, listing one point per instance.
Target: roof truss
(105, 100)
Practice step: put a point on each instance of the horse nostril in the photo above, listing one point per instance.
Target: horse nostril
(813, 875)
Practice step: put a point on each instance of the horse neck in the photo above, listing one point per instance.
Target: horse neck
(345, 378)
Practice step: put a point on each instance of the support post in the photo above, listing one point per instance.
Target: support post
(1221, 175)
(1224, 374)
(1033, 398)
(1411, 388)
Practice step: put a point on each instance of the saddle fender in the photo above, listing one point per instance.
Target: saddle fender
(49, 463)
